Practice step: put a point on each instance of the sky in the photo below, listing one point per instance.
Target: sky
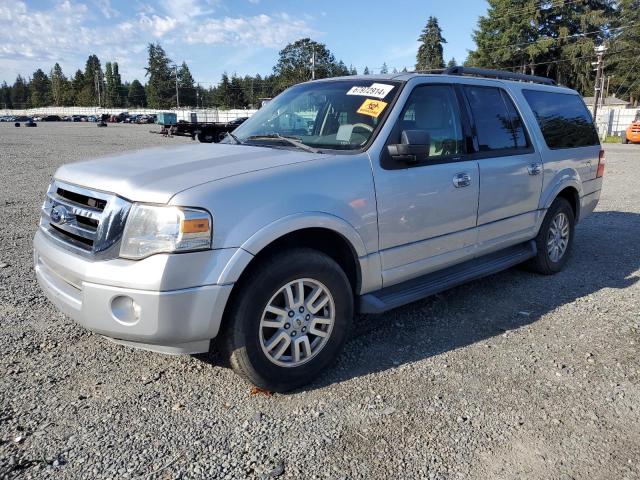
(217, 36)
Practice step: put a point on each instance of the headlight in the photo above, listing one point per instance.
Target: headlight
(164, 229)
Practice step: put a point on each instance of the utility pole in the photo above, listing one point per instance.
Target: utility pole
(96, 76)
(313, 64)
(599, 80)
(177, 91)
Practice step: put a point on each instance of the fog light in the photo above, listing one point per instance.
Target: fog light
(125, 310)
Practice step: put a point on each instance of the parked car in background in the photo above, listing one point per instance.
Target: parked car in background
(265, 245)
(632, 134)
(22, 118)
(7, 118)
(52, 118)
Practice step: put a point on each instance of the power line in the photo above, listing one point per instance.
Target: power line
(556, 39)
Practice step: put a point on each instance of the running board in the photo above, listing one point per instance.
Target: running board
(436, 282)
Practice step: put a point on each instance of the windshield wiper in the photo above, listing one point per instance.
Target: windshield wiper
(235, 139)
(290, 140)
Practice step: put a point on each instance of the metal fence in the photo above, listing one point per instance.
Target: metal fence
(189, 115)
(614, 121)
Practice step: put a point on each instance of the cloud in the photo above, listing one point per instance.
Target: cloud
(260, 30)
(67, 32)
(107, 10)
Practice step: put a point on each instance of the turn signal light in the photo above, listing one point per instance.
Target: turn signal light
(600, 171)
(197, 225)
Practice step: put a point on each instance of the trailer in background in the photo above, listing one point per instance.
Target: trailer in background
(204, 131)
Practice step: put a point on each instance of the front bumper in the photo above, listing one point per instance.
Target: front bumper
(177, 320)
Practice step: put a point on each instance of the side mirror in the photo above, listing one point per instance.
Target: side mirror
(414, 146)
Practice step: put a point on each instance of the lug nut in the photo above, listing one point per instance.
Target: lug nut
(308, 317)
(291, 314)
(304, 329)
(301, 309)
(287, 326)
(293, 334)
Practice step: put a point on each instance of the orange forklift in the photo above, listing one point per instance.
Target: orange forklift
(632, 135)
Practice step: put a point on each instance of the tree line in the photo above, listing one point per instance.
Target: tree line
(552, 38)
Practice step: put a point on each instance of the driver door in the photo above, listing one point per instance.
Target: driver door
(427, 211)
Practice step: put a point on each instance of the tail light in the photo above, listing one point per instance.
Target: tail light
(600, 171)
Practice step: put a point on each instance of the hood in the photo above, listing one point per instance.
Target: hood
(155, 175)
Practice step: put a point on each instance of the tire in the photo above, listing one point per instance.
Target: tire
(205, 137)
(545, 262)
(245, 339)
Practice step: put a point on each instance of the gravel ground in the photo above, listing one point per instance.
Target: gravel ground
(513, 376)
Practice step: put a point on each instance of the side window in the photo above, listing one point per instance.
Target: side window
(434, 109)
(563, 118)
(498, 125)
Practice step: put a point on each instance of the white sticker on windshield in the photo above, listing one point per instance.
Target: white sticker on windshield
(377, 90)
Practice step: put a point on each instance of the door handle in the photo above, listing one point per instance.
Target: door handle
(534, 169)
(461, 180)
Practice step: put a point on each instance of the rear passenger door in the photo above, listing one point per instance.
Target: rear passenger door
(511, 171)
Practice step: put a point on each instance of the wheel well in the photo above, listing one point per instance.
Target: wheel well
(324, 240)
(571, 195)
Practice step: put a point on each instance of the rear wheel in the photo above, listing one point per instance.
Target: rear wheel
(555, 239)
(289, 321)
(205, 137)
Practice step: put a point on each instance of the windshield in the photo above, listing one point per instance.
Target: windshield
(340, 115)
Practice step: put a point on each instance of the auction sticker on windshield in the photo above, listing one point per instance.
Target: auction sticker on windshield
(376, 90)
(373, 108)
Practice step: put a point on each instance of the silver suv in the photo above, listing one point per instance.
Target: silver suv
(347, 195)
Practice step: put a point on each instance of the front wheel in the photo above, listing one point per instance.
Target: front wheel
(289, 321)
(555, 239)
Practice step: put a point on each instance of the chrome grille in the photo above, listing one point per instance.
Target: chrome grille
(87, 221)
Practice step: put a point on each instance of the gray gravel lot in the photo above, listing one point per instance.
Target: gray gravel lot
(513, 376)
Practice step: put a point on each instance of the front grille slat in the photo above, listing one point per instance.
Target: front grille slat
(76, 208)
(84, 220)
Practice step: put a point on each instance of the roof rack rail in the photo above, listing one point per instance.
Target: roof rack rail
(499, 74)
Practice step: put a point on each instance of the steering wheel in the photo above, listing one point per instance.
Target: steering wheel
(369, 128)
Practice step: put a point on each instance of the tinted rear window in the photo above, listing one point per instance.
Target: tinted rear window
(563, 118)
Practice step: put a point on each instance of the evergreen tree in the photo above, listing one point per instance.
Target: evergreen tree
(623, 52)
(553, 39)
(384, 69)
(20, 93)
(92, 92)
(160, 87)
(452, 63)
(5, 95)
(366, 71)
(294, 63)
(110, 86)
(186, 86)
(136, 96)
(353, 70)
(221, 94)
(430, 54)
(40, 89)
(113, 88)
(77, 84)
(60, 87)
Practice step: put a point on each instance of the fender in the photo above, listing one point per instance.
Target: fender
(271, 232)
(561, 180)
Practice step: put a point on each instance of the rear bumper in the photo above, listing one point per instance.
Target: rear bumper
(180, 320)
(591, 195)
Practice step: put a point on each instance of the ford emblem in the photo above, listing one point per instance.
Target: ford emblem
(60, 215)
